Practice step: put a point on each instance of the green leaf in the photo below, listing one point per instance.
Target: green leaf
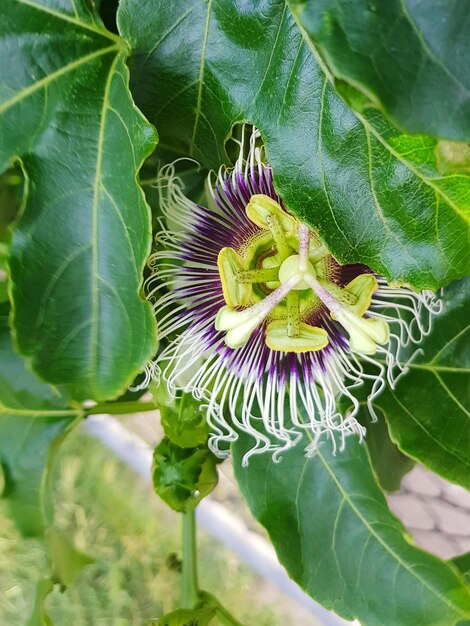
(187, 617)
(407, 58)
(333, 532)
(389, 464)
(183, 476)
(224, 617)
(428, 411)
(11, 192)
(462, 562)
(203, 614)
(79, 248)
(376, 196)
(34, 418)
(184, 423)
(3, 274)
(67, 561)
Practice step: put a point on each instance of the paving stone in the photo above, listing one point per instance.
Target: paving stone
(411, 511)
(458, 496)
(463, 543)
(421, 481)
(449, 518)
(437, 543)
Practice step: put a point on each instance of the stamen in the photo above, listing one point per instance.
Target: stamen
(280, 381)
(293, 314)
(241, 324)
(230, 264)
(364, 333)
(260, 207)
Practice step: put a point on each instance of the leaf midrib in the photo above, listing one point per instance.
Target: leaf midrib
(202, 68)
(73, 20)
(425, 46)
(377, 537)
(94, 312)
(422, 427)
(40, 84)
(366, 124)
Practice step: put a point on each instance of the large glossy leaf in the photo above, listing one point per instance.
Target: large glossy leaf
(34, 418)
(376, 196)
(388, 463)
(428, 412)
(334, 534)
(79, 248)
(462, 562)
(409, 57)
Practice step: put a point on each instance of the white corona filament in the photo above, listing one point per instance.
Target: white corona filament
(244, 389)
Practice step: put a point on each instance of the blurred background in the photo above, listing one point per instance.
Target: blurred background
(134, 539)
(111, 514)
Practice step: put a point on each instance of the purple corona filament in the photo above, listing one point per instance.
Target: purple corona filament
(263, 325)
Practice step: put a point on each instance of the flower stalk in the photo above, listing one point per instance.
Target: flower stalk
(189, 578)
(264, 326)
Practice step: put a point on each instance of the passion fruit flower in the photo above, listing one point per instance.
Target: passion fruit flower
(264, 326)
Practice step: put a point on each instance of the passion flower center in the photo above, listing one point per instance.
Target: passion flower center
(283, 271)
(292, 266)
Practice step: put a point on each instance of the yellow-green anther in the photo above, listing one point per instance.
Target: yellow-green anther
(309, 338)
(261, 207)
(241, 324)
(293, 314)
(230, 265)
(364, 332)
(362, 288)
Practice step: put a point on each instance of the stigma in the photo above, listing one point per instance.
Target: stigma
(281, 278)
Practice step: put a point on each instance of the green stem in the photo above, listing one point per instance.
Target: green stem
(189, 585)
(121, 408)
